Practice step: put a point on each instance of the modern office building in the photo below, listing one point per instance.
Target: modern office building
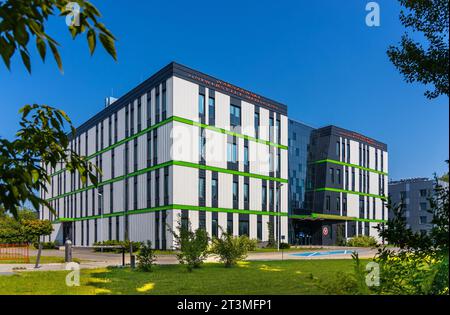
(413, 195)
(344, 178)
(182, 144)
(299, 136)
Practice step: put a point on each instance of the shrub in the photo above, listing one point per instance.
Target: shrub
(146, 257)
(252, 244)
(45, 245)
(126, 244)
(192, 246)
(229, 248)
(284, 246)
(346, 283)
(362, 241)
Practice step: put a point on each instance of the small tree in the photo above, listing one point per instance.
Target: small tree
(229, 248)
(26, 229)
(146, 257)
(420, 266)
(192, 246)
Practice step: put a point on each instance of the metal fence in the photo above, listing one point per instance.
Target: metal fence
(15, 252)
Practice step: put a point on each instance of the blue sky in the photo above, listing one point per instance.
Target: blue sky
(318, 57)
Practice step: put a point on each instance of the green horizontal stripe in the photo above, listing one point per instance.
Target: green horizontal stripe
(350, 192)
(184, 121)
(169, 163)
(351, 165)
(227, 171)
(231, 133)
(317, 216)
(173, 207)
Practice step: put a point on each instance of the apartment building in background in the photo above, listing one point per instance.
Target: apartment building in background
(181, 145)
(413, 195)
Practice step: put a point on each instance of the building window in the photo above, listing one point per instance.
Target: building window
(422, 220)
(278, 128)
(360, 180)
(271, 201)
(246, 193)
(338, 204)
(149, 109)
(235, 191)
(376, 159)
(264, 197)
(243, 228)
(338, 175)
(132, 118)
(332, 174)
(374, 209)
(166, 187)
(139, 115)
(343, 150)
(201, 104)
(235, 115)
(361, 208)
(246, 160)
(164, 101)
(403, 195)
(327, 203)
(344, 205)
(423, 206)
(423, 193)
(256, 118)
(232, 152)
(270, 129)
(212, 109)
(338, 148)
(215, 228)
(346, 178)
(201, 188)
(157, 106)
(214, 189)
(230, 225)
(259, 229)
(202, 146)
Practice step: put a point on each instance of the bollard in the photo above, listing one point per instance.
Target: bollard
(68, 251)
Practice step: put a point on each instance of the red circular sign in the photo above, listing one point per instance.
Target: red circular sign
(325, 231)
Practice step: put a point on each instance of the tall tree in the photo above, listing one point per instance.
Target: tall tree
(426, 62)
(42, 142)
(20, 21)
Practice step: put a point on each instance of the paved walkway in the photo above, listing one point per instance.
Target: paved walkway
(90, 259)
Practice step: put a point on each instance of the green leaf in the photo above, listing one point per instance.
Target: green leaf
(56, 55)
(26, 59)
(41, 47)
(91, 40)
(108, 44)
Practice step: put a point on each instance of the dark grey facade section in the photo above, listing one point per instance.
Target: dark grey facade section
(413, 195)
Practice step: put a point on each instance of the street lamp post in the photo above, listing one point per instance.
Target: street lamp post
(279, 185)
(101, 217)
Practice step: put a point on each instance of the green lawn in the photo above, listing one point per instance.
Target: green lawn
(44, 260)
(262, 277)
